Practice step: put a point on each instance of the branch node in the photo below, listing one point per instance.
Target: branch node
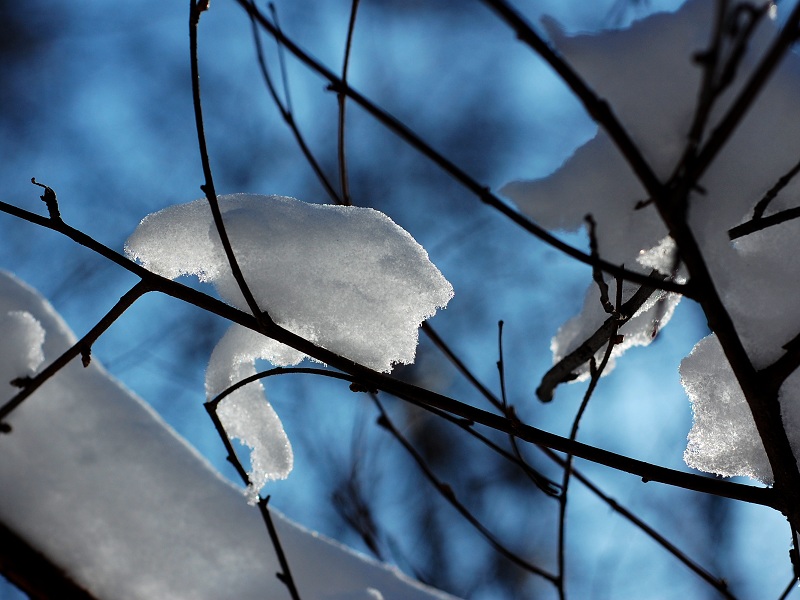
(50, 200)
(363, 388)
(21, 382)
(86, 356)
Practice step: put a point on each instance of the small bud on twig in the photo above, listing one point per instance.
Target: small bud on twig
(50, 200)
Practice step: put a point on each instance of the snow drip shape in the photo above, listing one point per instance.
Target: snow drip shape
(649, 78)
(346, 278)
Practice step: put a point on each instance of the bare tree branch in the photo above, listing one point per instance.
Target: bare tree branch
(480, 190)
(81, 348)
(564, 369)
(416, 395)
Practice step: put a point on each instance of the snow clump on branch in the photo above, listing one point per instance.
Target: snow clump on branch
(345, 278)
(651, 78)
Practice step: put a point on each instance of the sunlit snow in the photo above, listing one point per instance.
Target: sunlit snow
(346, 278)
(94, 479)
(648, 75)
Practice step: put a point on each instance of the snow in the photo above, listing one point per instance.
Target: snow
(346, 278)
(22, 354)
(97, 482)
(722, 419)
(648, 75)
(246, 414)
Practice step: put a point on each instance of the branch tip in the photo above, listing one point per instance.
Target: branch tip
(50, 200)
(86, 356)
(21, 382)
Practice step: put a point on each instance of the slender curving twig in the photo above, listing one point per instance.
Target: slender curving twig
(285, 574)
(596, 373)
(288, 116)
(82, 348)
(448, 494)
(196, 8)
(419, 396)
(342, 99)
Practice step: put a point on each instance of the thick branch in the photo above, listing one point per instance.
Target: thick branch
(597, 108)
(416, 395)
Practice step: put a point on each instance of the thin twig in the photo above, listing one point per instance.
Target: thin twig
(449, 494)
(788, 590)
(288, 117)
(416, 395)
(773, 192)
(754, 225)
(717, 583)
(208, 187)
(565, 369)
(546, 485)
(466, 426)
(480, 190)
(596, 373)
(81, 348)
(285, 574)
(343, 177)
(597, 274)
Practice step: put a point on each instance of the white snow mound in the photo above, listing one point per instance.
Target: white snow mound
(649, 76)
(346, 278)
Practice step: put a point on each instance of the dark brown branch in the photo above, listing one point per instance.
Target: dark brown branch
(449, 494)
(33, 572)
(773, 192)
(413, 394)
(754, 225)
(718, 584)
(195, 10)
(288, 117)
(597, 108)
(788, 589)
(564, 369)
(777, 372)
(597, 275)
(81, 348)
(342, 99)
(546, 485)
(596, 373)
(480, 190)
(760, 392)
(285, 574)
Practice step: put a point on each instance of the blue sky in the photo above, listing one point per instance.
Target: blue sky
(100, 110)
